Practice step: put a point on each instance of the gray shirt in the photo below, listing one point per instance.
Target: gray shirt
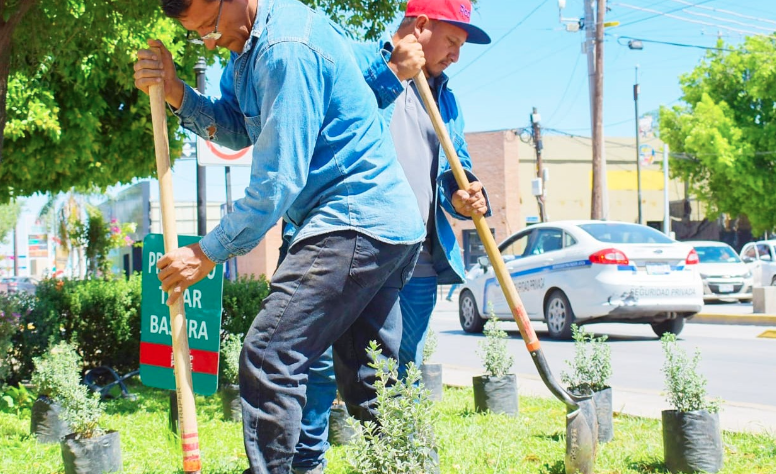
(417, 148)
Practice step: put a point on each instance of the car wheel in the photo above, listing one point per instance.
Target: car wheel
(468, 315)
(558, 315)
(674, 326)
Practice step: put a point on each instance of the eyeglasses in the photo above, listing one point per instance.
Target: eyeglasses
(213, 35)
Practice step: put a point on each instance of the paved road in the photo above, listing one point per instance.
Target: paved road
(739, 366)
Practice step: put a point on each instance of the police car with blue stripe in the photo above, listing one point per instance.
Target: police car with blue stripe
(582, 272)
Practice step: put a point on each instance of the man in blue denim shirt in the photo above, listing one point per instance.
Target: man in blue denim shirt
(323, 160)
(430, 36)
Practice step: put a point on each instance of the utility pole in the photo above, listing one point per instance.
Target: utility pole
(15, 252)
(228, 179)
(199, 70)
(537, 139)
(666, 206)
(598, 197)
(638, 146)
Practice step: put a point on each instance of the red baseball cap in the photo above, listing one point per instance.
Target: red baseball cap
(455, 12)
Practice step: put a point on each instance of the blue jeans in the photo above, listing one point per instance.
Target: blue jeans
(339, 289)
(417, 300)
(321, 393)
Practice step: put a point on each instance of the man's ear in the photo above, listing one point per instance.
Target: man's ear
(422, 23)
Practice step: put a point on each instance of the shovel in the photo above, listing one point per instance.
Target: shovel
(180, 341)
(581, 422)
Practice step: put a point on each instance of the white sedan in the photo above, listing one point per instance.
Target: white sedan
(724, 275)
(581, 272)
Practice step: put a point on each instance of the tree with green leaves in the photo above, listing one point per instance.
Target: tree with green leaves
(9, 215)
(69, 111)
(723, 139)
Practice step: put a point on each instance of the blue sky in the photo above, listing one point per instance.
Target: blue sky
(539, 64)
(534, 62)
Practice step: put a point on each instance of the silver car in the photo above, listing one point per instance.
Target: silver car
(18, 284)
(724, 275)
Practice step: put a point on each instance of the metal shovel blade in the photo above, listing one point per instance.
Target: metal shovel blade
(581, 437)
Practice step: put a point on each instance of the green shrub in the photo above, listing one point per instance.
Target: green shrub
(430, 345)
(57, 371)
(686, 388)
(41, 326)
(230, 359)
(82, 410)
(58, 376)
(592, 363)
(12, 307)
(101, 317)
(242, 302)
(16, 399)
(103, 320)
(401, 439)
(493, 349)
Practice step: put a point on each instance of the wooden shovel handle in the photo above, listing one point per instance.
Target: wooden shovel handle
(507, 285)
(180, 341)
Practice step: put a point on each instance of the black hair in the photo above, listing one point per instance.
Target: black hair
(176, 8)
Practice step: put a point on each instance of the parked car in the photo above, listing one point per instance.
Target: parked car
(18, 284)
(589, 272)
(723, 273)
(759, 257)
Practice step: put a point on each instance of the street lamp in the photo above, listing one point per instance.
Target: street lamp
(638, 146)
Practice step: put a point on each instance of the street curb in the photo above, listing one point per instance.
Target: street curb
(734, 417)
(742, 319)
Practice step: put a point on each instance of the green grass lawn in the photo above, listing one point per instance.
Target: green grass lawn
(470, 443)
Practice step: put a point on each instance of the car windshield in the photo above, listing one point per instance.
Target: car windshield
(623, 233)
(717, 255)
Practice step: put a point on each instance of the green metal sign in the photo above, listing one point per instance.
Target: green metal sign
(202, 303)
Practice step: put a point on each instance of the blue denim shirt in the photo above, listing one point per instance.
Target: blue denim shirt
(323, 159)
(372, 59)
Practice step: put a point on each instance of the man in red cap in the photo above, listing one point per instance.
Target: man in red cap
(429, 38)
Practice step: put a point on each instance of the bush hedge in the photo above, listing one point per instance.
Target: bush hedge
(101, 317)
(242, 302)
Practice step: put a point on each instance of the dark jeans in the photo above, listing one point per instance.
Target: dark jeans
(339, 289)
(417, 300)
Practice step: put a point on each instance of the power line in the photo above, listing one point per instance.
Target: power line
(499, 40)
(660, 13)
(514, 71)
(728, 12)
(688, 20)
(728, 20)
(621, 16)
(568, 85)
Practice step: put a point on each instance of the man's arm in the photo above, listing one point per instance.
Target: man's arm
(461, 204)
(218, 120)
(385, 66)
(292, 115)
(291, 118)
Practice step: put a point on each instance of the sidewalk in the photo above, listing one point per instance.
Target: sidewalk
(747, 417)
(733, 314)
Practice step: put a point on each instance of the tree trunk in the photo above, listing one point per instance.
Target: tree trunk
(6, 34)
